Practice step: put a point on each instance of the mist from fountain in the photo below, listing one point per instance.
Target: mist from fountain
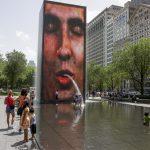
(76, 87)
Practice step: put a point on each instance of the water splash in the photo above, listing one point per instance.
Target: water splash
(76, 87)
(78, 115)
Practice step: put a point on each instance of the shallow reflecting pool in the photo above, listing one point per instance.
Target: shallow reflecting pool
(97, 126)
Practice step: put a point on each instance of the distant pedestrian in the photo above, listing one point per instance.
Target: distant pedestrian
(87, 95)
(56, 96)
(146, 119)
(10, 105)
(134, 98)
(25, 120)
(78, 100)
(32, 96)
(93, 94)
(32, 123)
(75, 99)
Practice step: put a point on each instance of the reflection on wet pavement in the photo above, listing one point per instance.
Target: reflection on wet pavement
(97, 126)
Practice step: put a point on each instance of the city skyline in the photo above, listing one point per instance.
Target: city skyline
(20, 20)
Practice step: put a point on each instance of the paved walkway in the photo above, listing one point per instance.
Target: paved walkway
(12, 139)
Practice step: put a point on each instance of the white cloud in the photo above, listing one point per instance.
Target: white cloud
(23, 36)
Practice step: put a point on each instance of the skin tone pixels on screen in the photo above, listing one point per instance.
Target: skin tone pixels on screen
(63, 50)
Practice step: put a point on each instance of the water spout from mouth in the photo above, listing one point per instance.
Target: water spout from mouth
(76, 86)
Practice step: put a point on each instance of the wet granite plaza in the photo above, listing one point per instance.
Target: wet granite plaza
(102, 125)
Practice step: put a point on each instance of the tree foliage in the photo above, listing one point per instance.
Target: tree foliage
(15, 66)
(95, 75)
(27, 79)
(113, 77)
(2, 76)
(30, 76)
(134, 60)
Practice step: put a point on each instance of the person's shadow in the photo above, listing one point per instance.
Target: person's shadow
(4, 129)
(26, 146)
(18, 144)
(13, 133)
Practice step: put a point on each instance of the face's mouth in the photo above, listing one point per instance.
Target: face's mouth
(62, 77)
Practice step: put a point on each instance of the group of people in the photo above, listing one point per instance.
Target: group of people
(77, 99)
(25, 111)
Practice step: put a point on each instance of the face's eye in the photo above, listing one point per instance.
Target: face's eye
(76, 26)
(51, 28)
(77, 30)
(51, 24)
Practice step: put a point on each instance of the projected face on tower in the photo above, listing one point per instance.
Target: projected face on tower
(63, 51)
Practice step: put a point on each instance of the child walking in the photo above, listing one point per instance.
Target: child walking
(32, 123)
(25, 120)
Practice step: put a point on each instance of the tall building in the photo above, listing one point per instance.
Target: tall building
(110, 30)
(121, 26)
(109, 41)
(134, 26)
(31, 63)
(137, 2)
(97, 41)
(140, 27)
(115, 26)
(140, 23)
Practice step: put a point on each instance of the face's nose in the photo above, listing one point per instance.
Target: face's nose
(64, 52)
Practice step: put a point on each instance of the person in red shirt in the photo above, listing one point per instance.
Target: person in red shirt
(9, 102)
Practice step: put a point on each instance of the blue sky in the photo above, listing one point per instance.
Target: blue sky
(19, 20)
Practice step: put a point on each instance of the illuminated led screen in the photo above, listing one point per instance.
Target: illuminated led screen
(63, 59)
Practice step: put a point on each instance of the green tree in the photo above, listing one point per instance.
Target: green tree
(27, 79)
(30, 76)
(1, 64)
(134, 60)
(2, 75)
(15, 66)
(95, 76)
(113, 77)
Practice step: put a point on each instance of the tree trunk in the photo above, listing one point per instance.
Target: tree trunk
(142, 84)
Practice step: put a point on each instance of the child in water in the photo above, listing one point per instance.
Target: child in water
(146, 119)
